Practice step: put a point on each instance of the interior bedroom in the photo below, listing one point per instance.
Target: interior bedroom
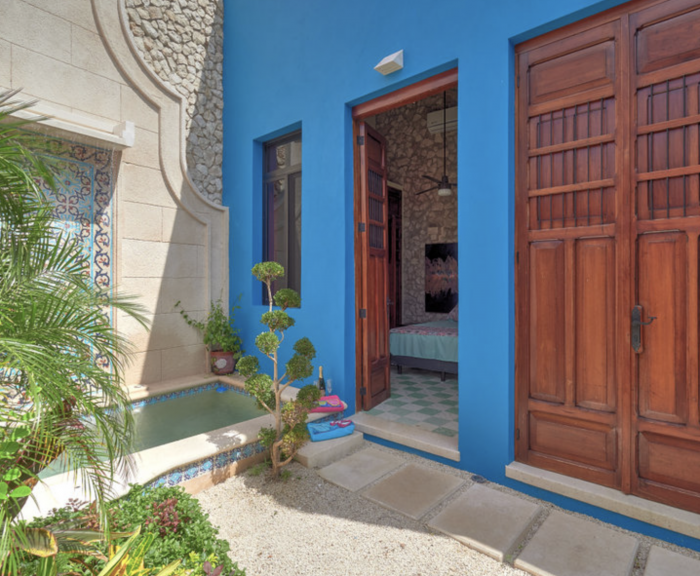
(421, 161)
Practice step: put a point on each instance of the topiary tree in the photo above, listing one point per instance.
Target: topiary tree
(289, 433)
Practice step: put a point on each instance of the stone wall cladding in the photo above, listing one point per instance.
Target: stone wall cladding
(182, 42)
(427, 219)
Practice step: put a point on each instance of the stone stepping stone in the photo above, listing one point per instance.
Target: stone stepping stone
(568, 546)
(360, 469)
(413, 490)
(487, 520)
(662, 562)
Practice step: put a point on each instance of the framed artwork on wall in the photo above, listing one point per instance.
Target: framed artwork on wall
(441, 277)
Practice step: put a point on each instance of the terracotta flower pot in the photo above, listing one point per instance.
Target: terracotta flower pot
(222, 362)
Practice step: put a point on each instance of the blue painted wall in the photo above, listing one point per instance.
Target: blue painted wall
(305, 64)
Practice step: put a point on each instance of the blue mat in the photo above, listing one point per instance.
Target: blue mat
(327, 430)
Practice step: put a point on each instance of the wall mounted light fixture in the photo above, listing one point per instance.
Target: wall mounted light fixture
(391, 63)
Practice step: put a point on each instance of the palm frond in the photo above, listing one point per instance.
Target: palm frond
(58, 349)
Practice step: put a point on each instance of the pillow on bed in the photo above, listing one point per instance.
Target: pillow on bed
(454, 314)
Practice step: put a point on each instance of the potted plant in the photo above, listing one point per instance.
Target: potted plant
(219, 336)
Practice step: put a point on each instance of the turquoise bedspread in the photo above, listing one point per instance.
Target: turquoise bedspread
(433, 340)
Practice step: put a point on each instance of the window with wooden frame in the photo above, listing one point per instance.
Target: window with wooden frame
(282, 208)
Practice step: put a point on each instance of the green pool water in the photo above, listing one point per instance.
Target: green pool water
(173, 419)
(177, 418)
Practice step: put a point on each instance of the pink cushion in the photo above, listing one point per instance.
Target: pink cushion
(329, 404)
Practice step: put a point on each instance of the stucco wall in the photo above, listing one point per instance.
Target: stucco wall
(316, 62)
(412, 151)
(76, 59)
(182, 42)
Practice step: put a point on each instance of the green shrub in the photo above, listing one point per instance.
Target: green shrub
(183, 531)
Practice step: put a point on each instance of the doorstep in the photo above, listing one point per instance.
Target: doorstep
(406, 435)
(654, 513)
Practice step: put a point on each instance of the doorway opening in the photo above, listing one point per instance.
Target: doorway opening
(406, 263)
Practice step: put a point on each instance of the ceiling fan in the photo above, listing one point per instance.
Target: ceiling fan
(443, 186)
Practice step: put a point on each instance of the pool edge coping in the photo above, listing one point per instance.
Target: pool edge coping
(152, 469)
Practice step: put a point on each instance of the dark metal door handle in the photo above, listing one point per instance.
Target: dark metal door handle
(637, 327)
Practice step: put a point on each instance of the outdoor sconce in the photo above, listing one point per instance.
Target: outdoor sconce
(391, 63)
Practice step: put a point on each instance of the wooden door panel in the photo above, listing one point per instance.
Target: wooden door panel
(547, 368)
(669, 42)
(666, 460)
(578, 441)
(573, 69)
(662, 286)
(596, 382)
(378, 345)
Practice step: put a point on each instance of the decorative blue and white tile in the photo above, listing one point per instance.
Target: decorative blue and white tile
(83, 204)
(188, 392)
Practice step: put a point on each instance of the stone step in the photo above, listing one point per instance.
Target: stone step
(406, 435)
(360, 469)
(320, 454)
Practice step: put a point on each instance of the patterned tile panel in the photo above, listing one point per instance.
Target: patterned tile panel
(83, 201)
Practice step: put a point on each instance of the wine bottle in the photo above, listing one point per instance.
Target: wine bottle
(321, 381)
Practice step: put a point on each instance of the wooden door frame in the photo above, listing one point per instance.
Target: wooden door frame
(401, 97)
(395, 198)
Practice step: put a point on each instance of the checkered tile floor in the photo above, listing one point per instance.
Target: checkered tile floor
(418, 398)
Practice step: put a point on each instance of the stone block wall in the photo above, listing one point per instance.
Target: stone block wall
(427, 219)
(182, 42)
(77, 58)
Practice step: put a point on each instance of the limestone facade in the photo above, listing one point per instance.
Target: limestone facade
(78, 59)
(182, 42)
(412, 151)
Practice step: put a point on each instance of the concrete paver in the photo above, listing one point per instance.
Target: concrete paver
(569, 546)
(494, 522)
(413, 490)
(662, 562)
(487, 520)
(360, 469)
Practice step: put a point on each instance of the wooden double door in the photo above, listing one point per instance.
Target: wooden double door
(607, 237)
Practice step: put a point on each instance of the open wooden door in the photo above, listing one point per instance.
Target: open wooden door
(608, 228)
(372, 237)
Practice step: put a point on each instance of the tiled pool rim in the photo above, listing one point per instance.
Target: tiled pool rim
(218, 461)
(211, 463)
(151, 466)
(223, 459)
(188, 392)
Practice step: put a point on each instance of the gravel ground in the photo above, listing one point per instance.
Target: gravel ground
(308, 526)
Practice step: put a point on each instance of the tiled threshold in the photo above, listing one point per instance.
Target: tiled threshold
(653, 513)
(409, 436)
